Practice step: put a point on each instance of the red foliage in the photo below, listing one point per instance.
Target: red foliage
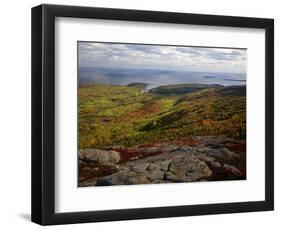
(128, 154)
(189, 141)
(238, 147)
(144, 110)
(92, 170)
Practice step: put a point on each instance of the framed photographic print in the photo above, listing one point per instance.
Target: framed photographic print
(142, 114)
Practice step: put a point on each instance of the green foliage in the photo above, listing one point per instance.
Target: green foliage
(124, 115)
(181, 88)
(139, 85)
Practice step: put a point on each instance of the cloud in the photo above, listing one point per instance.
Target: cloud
(114, 55)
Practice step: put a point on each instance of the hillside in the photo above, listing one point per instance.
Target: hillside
(182, 88)
(123, 115)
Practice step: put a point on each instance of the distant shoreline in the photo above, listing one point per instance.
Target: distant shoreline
(209, 77)
(146, 87)
(234, 80)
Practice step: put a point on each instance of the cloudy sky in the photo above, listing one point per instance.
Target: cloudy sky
(113, 55)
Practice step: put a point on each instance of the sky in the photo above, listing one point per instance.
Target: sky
(183, 58)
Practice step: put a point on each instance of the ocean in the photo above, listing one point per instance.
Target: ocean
(156, 78)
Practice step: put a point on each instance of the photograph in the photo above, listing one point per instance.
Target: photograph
(162, 114)
(155, 114)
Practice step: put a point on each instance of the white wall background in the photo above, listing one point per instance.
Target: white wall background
(15, 113)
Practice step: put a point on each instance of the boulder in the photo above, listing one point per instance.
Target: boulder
(209, 160)
(155, 175)
(124, 177)
(103, 157)
(219, 153)
(139, 167)
(171, 167)
(169, 176)
(153, 167)
(188, 168)
(147, 150)
(229, 153)
(164, 164)
(232, 170)
(137, 179)
(119, 178)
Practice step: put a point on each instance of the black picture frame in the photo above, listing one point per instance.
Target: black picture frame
(43, 114)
